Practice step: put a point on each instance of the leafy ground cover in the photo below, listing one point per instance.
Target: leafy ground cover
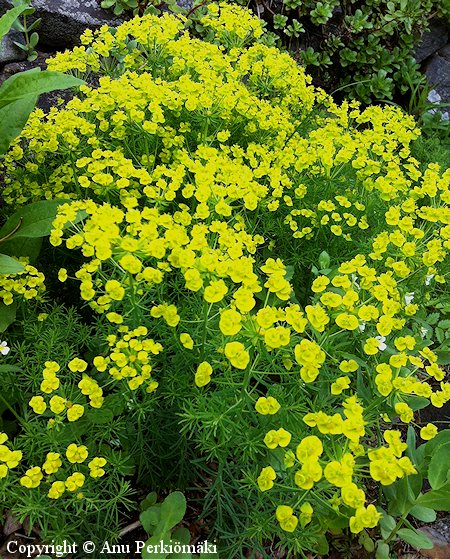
(223, 280)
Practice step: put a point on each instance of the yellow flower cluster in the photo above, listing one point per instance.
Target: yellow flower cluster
(53, 464)
(8, 458)
(197, 169)
(28, 284)
(129, 358)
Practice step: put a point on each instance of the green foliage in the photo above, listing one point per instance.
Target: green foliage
(160, 521)
(364, 48)
(7, 20)
(28, 30)
(18, 96)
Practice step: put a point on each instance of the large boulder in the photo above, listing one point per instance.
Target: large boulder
(63, 21)
(9, 52)
(432, 40)
(438, 75)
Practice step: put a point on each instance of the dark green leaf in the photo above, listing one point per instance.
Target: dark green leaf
(437, 499)
(7, 315)
(35, 220)
(9, 265)
(13, 118)
(439, 467)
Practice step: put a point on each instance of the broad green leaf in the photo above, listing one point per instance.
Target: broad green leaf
(436, 499)
(443, 437)
(9, 265)
(173, 510)
(439, 467)
(423, 513)
(150, 519)
(23, 246)
(152, 547)
(382, 551)
(414, 538)
(33, 83)
(7, 315)
(7, 20)
(321, 546)
(387, 524)
(13, 118)
(149, 501)
(182, 536)
(35, 220)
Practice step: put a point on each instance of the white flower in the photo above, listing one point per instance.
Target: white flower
(355, 283)
(434, 97)
(428, 279)
(4, 349)
(423, 332)
(362, 326)
(409, 297)
(382, 345)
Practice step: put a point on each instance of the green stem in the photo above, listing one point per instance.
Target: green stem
(13, 411)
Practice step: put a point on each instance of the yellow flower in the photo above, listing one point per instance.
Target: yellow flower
(62, 274)
(340, 384)
(76, 454)
(285, 516)
(237, 355)
(32, 478)
(57, 404)
(349, 366)
(404, 411)
(306, 512)
(96, 467)
(309, 448)
(267, 406)
(56, 490)
(317, 317)
(215, 291)
(75, 412)
(347, 321)
(52, 463)
(230, 322)
(266, 478)
(320, 284)
(203, 374)
(428, 432)
(77, 365)
(186, 341)
(75, 481)
(38, 404)
(281, 437)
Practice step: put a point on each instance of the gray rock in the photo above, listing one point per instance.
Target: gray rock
(63, 21)
(445, 52)
(9, 52)
(438, 74)
(432, 40)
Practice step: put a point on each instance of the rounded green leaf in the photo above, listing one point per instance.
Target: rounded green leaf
(439, 467)
(9, 265)
(415, 538)
(173, 510)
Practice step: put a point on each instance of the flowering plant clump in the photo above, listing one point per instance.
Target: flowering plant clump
(256, 256)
